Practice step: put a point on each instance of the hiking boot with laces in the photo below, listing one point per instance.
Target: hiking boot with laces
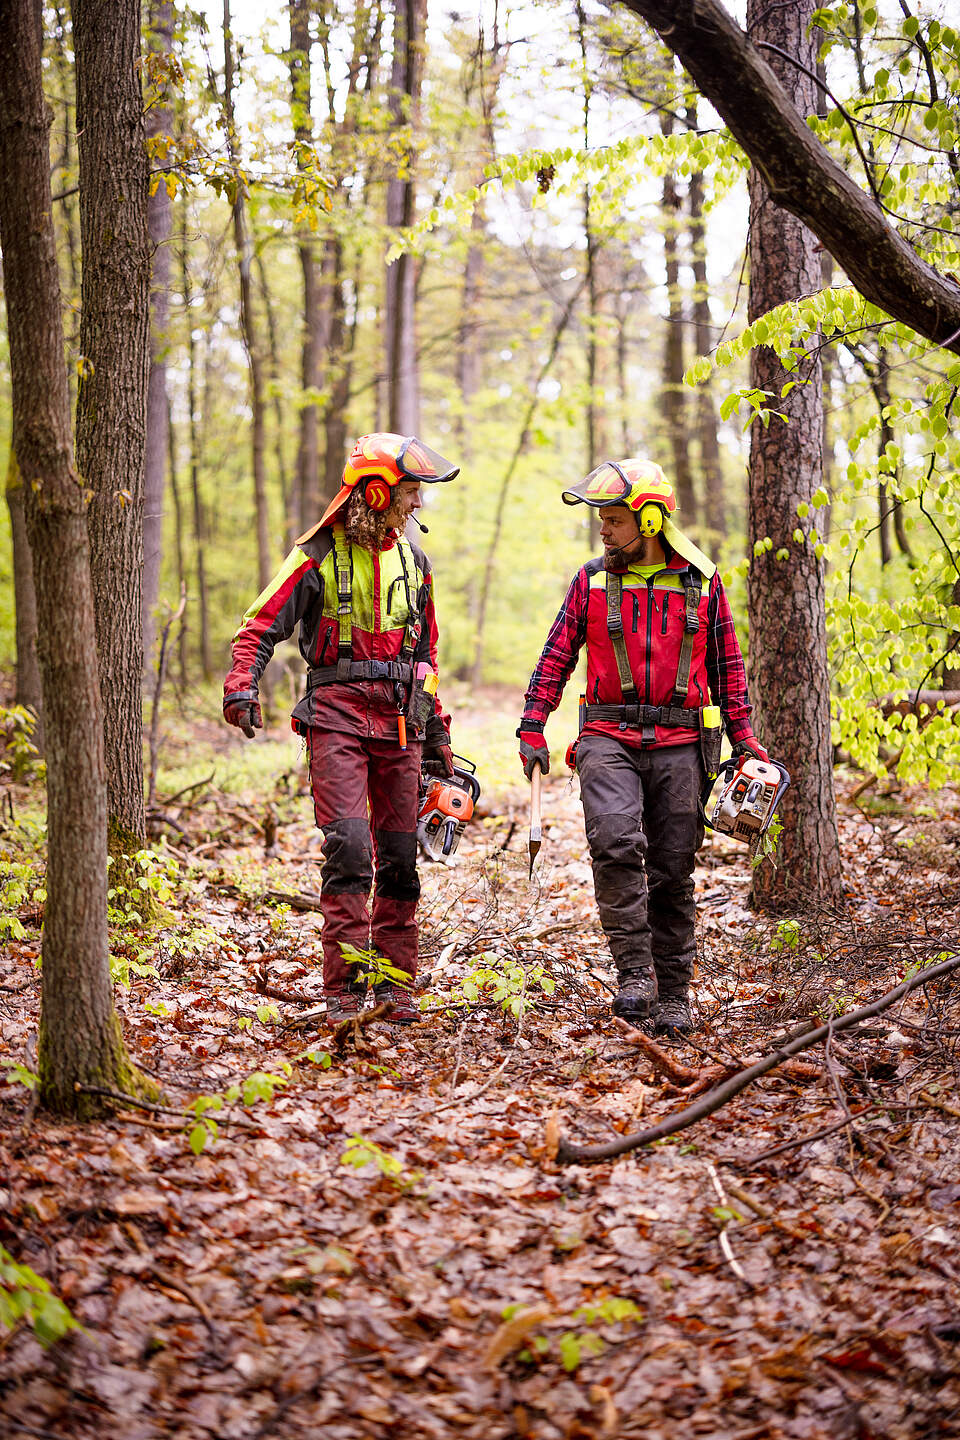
(343, 1006)
(671, 1016)
(637, 995)
(405, 1008)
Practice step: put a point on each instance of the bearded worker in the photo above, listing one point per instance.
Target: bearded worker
(664, 671)
(362, 595)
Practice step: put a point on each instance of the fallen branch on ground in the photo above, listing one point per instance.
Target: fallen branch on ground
(570, 1153)
(699, 1081)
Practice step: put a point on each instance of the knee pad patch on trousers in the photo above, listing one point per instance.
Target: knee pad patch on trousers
(397, 877)
(347, 858)
(614, 837)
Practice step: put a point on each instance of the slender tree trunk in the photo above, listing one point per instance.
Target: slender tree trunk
(159, 221)
(199, 522)
(711, 471)
(590, 271)
(674, 346)
(178, 522)
(490, 559)
(80, 1041)
(313, 345)
(790, 683)
(29, 692)
(248, 320)
(409, 30)
(274, 381)
(338, 372)
(112, 398)
(66, 163)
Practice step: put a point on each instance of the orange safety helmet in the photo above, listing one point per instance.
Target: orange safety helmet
(381, 461)
(642, 487)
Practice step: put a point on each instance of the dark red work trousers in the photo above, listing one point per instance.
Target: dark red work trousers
(365, 800)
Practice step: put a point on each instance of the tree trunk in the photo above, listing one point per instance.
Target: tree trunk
(159, 221)
(199, 520)
(80, 1041)
(590, 271)
(674, 396)
(112, 398)
(313, 342)
(277, 389)
(714, 508)
(790, 684)
(28, 692)
(248, 321)
(403, 388)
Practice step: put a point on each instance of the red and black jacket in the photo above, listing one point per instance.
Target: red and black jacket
(392, 629)
(655, 614)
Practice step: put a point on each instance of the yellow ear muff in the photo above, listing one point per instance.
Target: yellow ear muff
(650, 519)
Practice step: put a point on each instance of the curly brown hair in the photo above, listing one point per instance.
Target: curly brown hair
(364, 526)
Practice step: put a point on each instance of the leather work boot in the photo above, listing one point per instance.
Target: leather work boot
(405, 1008)
(637, 995)
(671, 1016)
(343, 1006)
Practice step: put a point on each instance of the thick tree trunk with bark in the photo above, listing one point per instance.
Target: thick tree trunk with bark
(28, 691)
(403, 387)
(673, 393)
(714, 509)
(80, 1041)
(734, 74)
(159, 221)
(789, 680)
(112, 398)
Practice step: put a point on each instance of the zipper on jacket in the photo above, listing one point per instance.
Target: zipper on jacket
(323, 648)
(393, 586)
(636, 609)
(646, 658)
(666, 602)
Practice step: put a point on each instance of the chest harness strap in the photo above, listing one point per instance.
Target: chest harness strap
(631, 712)
(347, 669)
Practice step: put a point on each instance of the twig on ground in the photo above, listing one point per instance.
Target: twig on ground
(573, 1154)
(801, 1140)
(353, 1027)
(724, 1239)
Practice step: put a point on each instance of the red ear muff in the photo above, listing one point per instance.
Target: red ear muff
(376, 492)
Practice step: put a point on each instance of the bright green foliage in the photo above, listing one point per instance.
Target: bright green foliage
(25, 1295)
(361, 1152)
(18, 1074)
(505, 983)
(579, 1341)
(261, 1085)
(19, 757)
(369, 967)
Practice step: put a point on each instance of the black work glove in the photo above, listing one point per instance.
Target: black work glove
(533, 751)
(243, 710)
(441, 755)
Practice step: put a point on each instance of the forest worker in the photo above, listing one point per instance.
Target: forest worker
(659, 635)
(363, 597)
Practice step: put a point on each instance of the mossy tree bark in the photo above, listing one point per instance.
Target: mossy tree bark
(112, 398)
(80, 1041)
(790, 683)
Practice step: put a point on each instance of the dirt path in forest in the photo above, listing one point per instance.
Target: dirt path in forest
(386, 1248)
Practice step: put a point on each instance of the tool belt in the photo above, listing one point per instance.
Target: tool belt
(624, 715)
(346, 671)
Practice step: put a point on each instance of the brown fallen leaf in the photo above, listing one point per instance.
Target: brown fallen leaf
(551, 1136)
(512, 1333)
(609, 1418)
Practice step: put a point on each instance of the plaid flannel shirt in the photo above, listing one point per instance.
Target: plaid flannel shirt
(726, 675)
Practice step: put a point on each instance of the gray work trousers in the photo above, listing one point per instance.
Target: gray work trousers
(644, 828)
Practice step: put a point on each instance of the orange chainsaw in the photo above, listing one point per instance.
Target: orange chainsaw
(446, 804)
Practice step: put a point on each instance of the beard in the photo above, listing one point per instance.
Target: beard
(622, 557)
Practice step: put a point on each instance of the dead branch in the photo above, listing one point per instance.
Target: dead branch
(800, 1140)
(353, 1027)
(188, 789)
(573, 1154)
(699, 1081)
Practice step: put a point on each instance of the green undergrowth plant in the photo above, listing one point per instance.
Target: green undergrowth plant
(21, 884)
(26, 1296)
(19, 757)
(202, 1129)
(361, 1152)
(578, 1341)
(368, 967)
(505, 983)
